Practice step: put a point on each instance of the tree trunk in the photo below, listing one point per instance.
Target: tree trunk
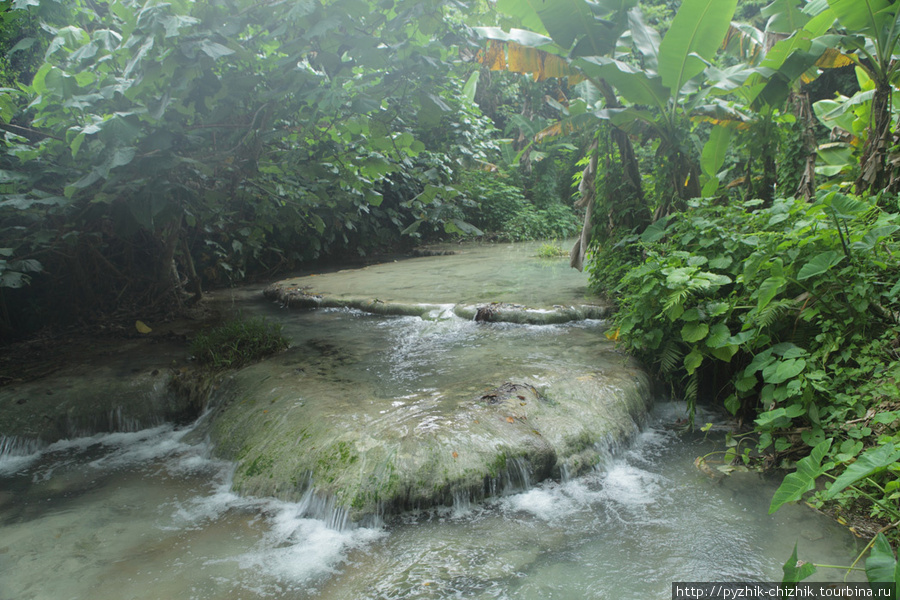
(588, 190)
(167, 283)
(637, 215)
(193, 280)
(873, 172)
(806, 188)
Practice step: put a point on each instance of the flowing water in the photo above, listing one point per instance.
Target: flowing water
(150, 514)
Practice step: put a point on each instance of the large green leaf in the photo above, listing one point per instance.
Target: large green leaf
(782, 370)
(869, 462)
(882, 566)
(794, 571)
(864, 16)
(524, 12)
(768, 289)
(694, 332)
(803, 479)
(696, 33)
(521, 37)
(819, 264)
(471, 87)
(787, 60)
(692, 361)
(569, 20)
(646, 39)
(713, 156)
(784, 16)
(635, 85)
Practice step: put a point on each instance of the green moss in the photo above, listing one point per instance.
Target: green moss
(260, 464)
(579, 442)
(331, 460)
(497, 465)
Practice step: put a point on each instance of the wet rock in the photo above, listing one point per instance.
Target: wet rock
(367, 456)
(126, 391)
(419, 252)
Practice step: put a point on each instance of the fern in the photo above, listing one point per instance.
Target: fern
(771, 313)
(691, 391)
(671, 357)
(677, 297)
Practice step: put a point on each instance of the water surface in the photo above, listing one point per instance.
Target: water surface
(151, 515)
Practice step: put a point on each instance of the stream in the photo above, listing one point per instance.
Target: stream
(152, 513)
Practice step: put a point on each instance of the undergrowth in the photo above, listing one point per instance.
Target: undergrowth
(238, 343)
(787, 315)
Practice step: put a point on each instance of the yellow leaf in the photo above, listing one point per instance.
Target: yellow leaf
(142, 327)
(833, 58)
(553, 130)
(494, 57)
(554, 66)
(524, 60)
(612, 335)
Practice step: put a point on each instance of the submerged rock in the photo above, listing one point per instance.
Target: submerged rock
(296, 426)
(485, 282)
(95, 399)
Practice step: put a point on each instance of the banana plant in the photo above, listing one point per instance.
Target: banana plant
(870, 34)
(654, 99)
(776, 62)
(669, 88)
(561, 32)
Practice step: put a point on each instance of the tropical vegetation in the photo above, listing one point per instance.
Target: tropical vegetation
(732, 170)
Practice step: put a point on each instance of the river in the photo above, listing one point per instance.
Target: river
(151, 514)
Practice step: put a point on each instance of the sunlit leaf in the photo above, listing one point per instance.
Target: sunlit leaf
(803, 479)
(869, 462)
(696, 34)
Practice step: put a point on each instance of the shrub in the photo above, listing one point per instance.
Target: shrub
(551, 250)
(787, 314)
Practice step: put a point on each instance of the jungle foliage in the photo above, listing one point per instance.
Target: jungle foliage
(152, 149)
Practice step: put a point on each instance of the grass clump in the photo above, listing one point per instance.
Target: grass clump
(551, 250)
(238, 342)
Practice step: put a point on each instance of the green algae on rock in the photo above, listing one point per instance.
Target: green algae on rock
(467, 412)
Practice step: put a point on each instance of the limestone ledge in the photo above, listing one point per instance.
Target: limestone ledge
(495, 312)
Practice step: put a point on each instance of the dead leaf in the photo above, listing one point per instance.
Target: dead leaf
(142, 327)
(510, 420)
(455, 455)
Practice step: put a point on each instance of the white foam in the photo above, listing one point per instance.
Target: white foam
(546, 503)
(11, 464)
(631, 486)
(299, 550)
